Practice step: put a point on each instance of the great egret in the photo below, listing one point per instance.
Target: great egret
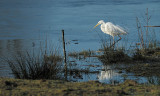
(111, 29)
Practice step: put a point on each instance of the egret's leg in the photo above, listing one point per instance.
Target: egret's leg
(119, 37)
(113, 42)
(116, 41)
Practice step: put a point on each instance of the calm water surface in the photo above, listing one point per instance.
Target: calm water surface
(25, 24)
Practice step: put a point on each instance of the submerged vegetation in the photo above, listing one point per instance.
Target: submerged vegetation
(85, 53)
(111, 55)
(144, 69)
(147, 54)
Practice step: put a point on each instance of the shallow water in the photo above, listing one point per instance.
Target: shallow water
(107, 74)
(25, 25)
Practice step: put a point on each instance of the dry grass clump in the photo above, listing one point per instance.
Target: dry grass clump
(111, 55)
(25, 65)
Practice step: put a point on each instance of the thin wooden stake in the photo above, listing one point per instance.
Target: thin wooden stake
(151, 26)
(64, 51)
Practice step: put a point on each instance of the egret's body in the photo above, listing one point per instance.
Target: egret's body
(111, 29)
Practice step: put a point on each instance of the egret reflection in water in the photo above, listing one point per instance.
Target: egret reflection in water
(108, 74)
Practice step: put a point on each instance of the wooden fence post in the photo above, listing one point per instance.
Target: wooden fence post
(64, 51)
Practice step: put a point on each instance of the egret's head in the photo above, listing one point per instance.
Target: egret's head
(100, 22)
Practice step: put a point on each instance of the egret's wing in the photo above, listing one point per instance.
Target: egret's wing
(120, 29)
(114, 29)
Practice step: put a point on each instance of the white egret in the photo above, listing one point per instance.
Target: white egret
(111, 29)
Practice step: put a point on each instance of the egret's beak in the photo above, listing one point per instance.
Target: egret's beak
(96, 25)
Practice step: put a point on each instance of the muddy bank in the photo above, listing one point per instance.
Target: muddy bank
(20, 87)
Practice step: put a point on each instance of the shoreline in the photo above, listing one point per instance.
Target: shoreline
(23, 87)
